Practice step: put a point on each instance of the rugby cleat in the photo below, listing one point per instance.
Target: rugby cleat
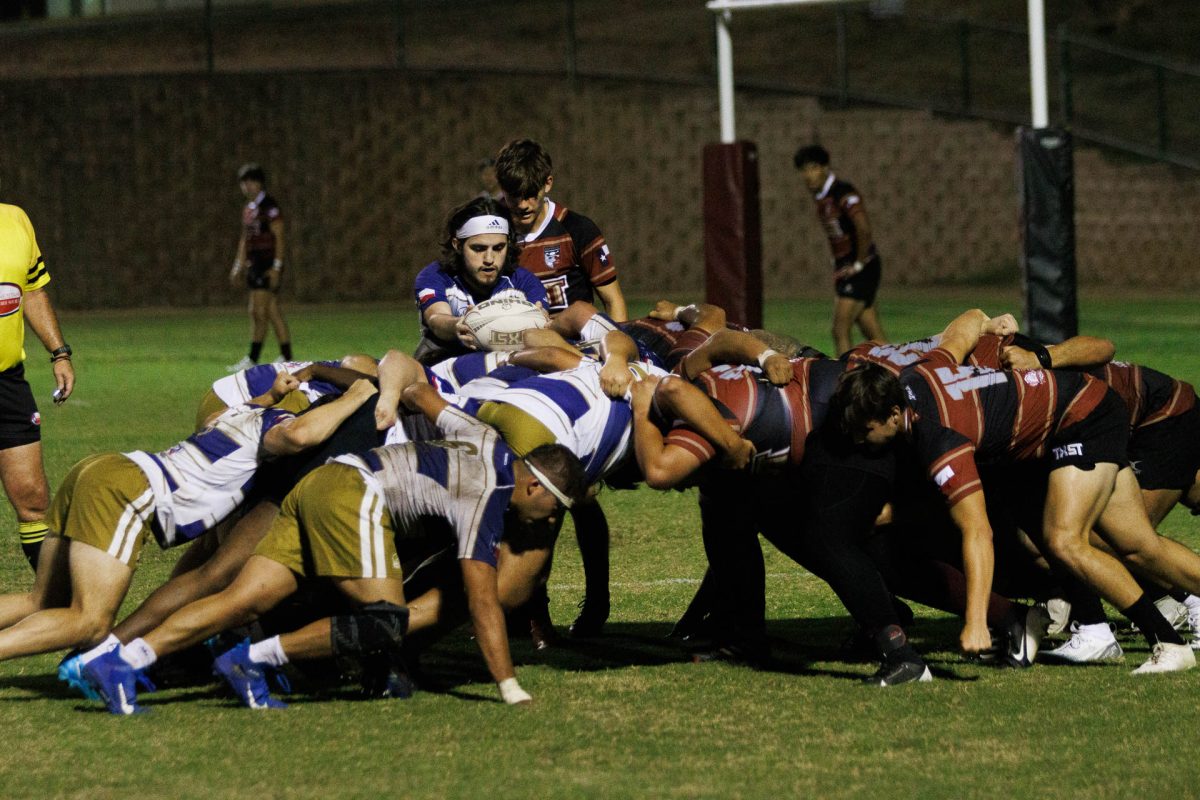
(247, 678)
(1173, 612)
(70, 671)
(116, 682)
(894, 673)
(1165, 657)
(592, 616)
(1194, 622)
(1089, 644)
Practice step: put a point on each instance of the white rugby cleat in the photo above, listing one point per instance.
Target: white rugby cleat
(1168, 658)
(1089, 644)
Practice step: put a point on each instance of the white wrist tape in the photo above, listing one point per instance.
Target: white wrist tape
(679, 310)
(512, 693)
(764, 355)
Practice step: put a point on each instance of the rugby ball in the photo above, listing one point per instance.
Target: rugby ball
(498, 323)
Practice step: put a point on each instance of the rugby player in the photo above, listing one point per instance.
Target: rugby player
(108, 503)
(341, 522)
(564, 249)
(478, 261)
(1073, 425)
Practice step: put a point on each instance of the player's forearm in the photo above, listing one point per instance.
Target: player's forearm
(424, 399)
(545, 359)
(962, 334)
(970, 515)
(488, 618)
(1081, 351)
(39, 313)
(318, 424)
(724, 347)
(618, 346)
(341, 377)
(443, 326)
(676, 398)
(277, 231)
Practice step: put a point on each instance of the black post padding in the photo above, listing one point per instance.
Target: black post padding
(733, 231)
(1046, 177)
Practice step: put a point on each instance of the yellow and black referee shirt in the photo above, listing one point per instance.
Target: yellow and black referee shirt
(21, 271)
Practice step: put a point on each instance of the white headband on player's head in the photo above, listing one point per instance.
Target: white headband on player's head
(485, 223)
(550, 487)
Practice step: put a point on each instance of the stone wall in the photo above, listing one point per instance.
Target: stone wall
(130, 182)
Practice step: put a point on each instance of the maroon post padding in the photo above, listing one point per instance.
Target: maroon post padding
(733, 231)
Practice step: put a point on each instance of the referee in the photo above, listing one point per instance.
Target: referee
(23, 278)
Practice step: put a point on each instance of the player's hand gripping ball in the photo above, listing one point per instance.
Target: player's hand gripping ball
(497, 324)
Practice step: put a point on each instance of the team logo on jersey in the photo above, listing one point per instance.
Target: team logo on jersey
(604, 255)
(1068, 450)
(944, 475)
(550, 256)
(36, 419)
(10, 299)
(425, 294)
(1034, 377)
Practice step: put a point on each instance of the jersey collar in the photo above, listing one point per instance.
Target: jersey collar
(550, 209)
(825, 189)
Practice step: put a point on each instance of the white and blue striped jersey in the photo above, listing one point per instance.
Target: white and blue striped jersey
(242, 387)
(201, 480)
(575, 409)
(464, 479)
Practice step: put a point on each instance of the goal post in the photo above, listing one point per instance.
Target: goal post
(733, 234)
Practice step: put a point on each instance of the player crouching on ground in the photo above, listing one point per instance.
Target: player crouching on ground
(341, 522)
(109, 502)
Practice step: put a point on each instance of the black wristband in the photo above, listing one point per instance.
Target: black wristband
(1043, 356)
(60, 352)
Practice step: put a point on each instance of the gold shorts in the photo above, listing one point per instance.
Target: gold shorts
(105, 501)
(333, 525)
(522, 431)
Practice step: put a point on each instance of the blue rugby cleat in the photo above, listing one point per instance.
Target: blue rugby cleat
(116, 682)
(70, 672)
(247, 678)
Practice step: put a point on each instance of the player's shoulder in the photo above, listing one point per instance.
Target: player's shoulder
(580, 227)
(15, 214)
(434, 274)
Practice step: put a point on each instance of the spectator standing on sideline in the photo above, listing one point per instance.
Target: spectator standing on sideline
(260, 259)
(23, 278)
(856, 266)
(565, 250)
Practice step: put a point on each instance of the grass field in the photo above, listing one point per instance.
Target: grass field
(622, 716)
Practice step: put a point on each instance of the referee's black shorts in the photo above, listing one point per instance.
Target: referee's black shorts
(20, 422)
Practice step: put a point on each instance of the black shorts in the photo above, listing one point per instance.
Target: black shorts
(864, 285)
(20, 422)
(1166, 455)
(1102, 437)
(258, 274)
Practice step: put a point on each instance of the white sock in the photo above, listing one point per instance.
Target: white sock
(268, 651)
(1098, 630)
(110, 643)
(138, 654)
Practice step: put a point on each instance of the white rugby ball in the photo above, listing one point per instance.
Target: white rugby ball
(499, 322)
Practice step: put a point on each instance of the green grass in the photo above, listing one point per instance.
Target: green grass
(622, 716)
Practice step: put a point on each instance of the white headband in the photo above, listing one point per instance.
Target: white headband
(482, 224)
(550, 487)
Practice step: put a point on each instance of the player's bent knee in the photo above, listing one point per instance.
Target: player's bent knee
(375, 629)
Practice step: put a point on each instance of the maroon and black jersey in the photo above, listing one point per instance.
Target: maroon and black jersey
(777, 419)
(892, 357)
(569, 256)
(1151, 396)
(839, 208)
(257, 217)
(966, 414)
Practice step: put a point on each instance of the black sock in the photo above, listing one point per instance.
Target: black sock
(285, 350)
(1151, 622)
(255, 351)
(893, 645)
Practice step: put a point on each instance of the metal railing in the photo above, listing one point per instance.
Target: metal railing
(1107, 95)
